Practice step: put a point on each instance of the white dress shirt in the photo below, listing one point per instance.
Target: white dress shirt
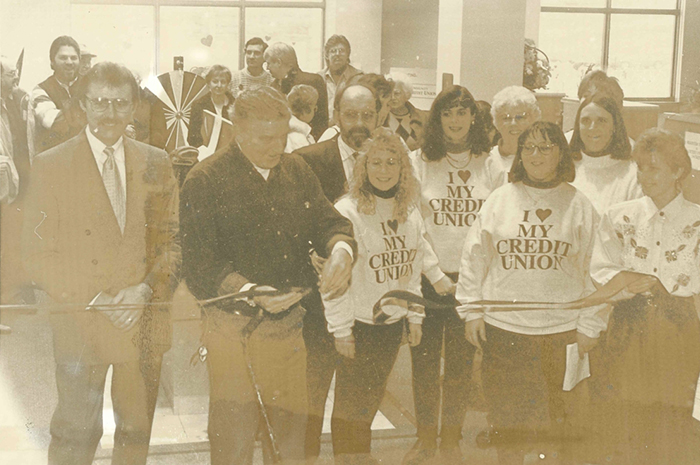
(346, 154)
(98, 148)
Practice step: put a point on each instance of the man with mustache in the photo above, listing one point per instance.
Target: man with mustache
(100, 241)
(56, 116)
(333, 161)
(338, 69)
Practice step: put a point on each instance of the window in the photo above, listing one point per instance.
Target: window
(635, 40)
(145, 35)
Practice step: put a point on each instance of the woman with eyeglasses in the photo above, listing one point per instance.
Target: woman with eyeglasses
(651, 354)
(531, 242)
(514, 109)
(601, 149)
(456, 176)
(391, 254)
(218, 101)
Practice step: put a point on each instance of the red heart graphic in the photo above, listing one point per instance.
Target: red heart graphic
(464, 175)
(207, 40)
(393, 224)
(543, 214)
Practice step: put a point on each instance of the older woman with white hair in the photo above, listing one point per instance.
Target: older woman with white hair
(404, 119)
(514, 110)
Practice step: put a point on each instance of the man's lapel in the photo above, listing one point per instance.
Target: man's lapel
(336, 169)
(136, 190)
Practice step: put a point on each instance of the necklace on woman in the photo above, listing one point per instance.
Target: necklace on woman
(539, 193)
(457, 163)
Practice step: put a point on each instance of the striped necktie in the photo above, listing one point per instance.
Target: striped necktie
(113, 186)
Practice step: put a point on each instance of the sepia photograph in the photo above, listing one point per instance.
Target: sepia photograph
(350, 232)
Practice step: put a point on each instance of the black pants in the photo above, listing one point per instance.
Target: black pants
(360, 385)
(321, 361)
(459, 355)
(523, 377)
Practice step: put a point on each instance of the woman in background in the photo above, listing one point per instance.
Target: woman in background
(404, 119)
(514, 109)
(601, 149)
(456, 176)
(531, 242)
(219, 101)
(302, 101)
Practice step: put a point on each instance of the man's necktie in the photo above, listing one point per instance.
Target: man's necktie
(113, 186)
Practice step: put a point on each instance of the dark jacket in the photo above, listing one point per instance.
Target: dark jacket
(324, 159)
(238, 228)
(69, 122)
(194, 137)
(295, 77)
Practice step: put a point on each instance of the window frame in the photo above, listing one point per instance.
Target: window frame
(608, 11)
(240, 4)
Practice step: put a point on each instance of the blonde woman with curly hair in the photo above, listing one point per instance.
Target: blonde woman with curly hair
(392, 254)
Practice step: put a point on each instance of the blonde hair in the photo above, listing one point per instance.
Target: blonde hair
(284, 53)
(513, 96)
(407, 195)
(302, 98)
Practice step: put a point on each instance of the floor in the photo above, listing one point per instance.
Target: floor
(27, 399)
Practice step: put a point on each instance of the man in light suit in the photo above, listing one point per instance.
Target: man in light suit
(100, 228)
(333, 162)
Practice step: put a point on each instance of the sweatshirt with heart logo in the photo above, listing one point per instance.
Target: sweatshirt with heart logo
(452, 193)
(532, 245)
(390, 256)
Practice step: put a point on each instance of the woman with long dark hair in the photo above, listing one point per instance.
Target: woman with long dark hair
(531, 242)
(456, 176)
(601, 149)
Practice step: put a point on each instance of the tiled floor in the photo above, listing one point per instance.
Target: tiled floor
(27, 400)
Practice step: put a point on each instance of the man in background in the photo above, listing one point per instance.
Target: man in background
(333, 162)
(86, 57)
(281, 61)
(338, 70)
(56, 117)
(14, 178)
(253, 75)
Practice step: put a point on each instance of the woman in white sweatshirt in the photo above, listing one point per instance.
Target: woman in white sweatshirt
(532, 241)
(605, 172)
(456, 175)
(392, 253)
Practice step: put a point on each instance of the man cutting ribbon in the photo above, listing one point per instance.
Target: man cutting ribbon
(248, 216)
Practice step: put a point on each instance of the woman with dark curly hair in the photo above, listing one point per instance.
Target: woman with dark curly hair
(531, 242)
(456, 176)
(601, 149)
(392, 252)
(651, 353)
